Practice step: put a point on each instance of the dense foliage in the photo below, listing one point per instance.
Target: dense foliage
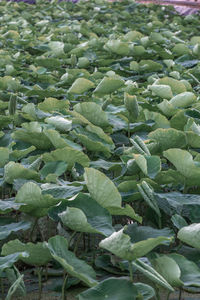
(100, 139)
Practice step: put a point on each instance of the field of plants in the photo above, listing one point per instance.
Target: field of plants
(99, 150)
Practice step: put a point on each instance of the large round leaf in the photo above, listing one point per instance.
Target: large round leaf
(120, 244)
(14, 171)
(76, 267)
(169, 138)
(80, 86)
(169, 269)
(36, 203)
(108, 85)
(9, 260)
(92, 112)
(190, 235)
(149, 165)
(184, 163)
(69, 155)
(102, 189)
(39, 254)
(112, 289)
(190, 272)
(83, 214)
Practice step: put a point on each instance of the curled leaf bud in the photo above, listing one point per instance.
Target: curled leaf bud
(131, 105)
(12, 104)
(73, 60)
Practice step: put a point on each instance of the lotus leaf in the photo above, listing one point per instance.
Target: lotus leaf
(108, 85)
(9, 260)
(14, 171)
(58, 247)
(68, 155)
(150, 165)
(39, 254)
(120, 244)
(169, 138)
(169, 269)
(92, 112)
(190, 235)
(81, 85)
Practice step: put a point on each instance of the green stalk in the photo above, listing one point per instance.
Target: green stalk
(2, 288)
(64, 286)
(71, 238)
(33, 228)
(129, 133)
(40, 283)
(77, 242)
(130, 270)
(180, 294)
(168, 295)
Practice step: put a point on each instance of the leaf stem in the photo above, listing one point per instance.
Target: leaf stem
(71, 238)
(64, 286)
(2, 288)
(130, 270)
(40, 283)
(180, 294)
(33, 228)
(77, 242)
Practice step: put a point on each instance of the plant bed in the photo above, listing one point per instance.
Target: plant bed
(99, 151)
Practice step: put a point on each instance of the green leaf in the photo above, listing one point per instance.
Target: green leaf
(183, 100)
(160, 120)
(169, 269)
(108, 85)
(14, 171)
(102, 189)
(39, 254)
(19, 154)
(61, 191)
(94, 139)
(139, 233)
(68, 155)
(127, 210)
(184, 163)
(186, 205)
(111, 289)
(169, 138)
(150, 165)
(190, 272)
(118, 47)
(177, 86)
(90, 215)
(37, 204)
(80, 86)
(9, 205)
(148, 195)
(93, 113)
(59, 123)
(190, 235)
(167, 108)
(76, 220)
(120, 244)
(6, 230)
(145, 291)
(58, 246)
(4, 156)
(54, 167)
(163, 91)
(14, 287)
(53, 104)
(9, 260)
(32, 135)
(178, 221)
(151, 274)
